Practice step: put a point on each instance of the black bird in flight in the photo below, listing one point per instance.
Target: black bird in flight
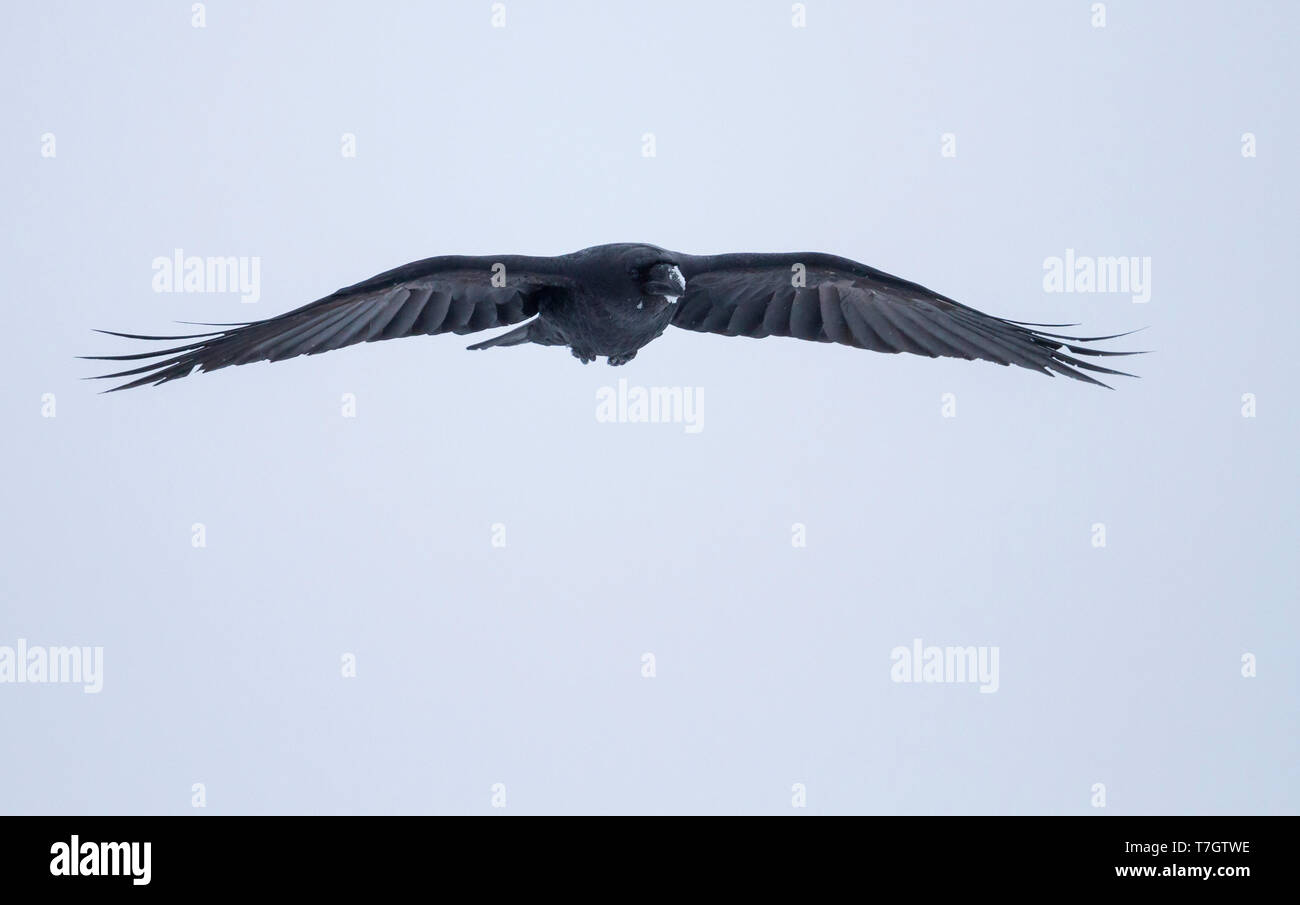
(611, 300)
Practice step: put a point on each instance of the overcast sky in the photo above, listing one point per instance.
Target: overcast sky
(547, 611)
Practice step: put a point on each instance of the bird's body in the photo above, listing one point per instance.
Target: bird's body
(611, 301)
(612, 326)
(604, 311)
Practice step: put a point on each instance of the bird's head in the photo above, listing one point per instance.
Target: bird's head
(663, 279)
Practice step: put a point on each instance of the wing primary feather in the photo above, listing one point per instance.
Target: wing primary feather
(301, 339)
(942, 338)
(889, 313)
(143, 336)
(401, 323)
(866, 336)
(136, 356)
(965, 344)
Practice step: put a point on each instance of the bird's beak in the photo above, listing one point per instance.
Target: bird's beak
(666, 279)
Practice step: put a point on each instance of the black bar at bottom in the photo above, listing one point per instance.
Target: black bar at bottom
(335, 853)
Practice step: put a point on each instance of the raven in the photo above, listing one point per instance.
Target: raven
(611, 300)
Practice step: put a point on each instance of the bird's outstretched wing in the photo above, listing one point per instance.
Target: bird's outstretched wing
(453, 294)
(830, 299)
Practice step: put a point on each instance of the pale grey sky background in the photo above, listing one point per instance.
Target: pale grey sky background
(522, 665)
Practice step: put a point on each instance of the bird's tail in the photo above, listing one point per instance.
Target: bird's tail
(535, 331)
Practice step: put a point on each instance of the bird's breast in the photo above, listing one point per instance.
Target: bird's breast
(612, 324)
